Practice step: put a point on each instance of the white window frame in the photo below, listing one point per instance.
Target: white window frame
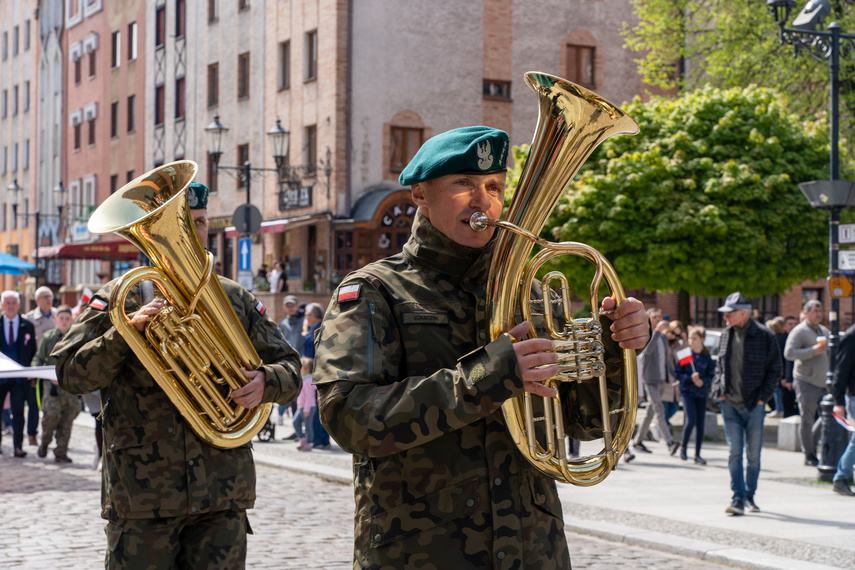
(132, 46)
(116, 49)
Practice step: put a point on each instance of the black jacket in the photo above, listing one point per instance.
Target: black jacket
(762, 366)
(844, 371)
(25, 341)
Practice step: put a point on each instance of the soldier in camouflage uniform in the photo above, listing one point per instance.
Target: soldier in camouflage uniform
(59, 407)
(409, 383)
(171, 500)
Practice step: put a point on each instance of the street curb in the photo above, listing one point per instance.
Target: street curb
(700, 549)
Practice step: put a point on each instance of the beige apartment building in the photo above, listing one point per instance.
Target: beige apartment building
(19, 180)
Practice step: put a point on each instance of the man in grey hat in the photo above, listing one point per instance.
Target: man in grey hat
(749, 367)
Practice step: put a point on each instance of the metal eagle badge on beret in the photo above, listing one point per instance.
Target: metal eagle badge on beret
(197, 196)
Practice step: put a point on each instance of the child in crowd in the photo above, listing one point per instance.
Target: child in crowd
(305, 406)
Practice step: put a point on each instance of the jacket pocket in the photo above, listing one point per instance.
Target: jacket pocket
(431, 510)
(545, 496)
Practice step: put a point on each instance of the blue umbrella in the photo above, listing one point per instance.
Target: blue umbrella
(13, 265)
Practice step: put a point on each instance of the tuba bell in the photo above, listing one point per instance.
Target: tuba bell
(572, 122)
(195, 346)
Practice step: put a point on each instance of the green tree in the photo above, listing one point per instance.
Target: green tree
(691, 43)
(705, 199)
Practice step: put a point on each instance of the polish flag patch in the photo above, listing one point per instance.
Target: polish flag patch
(260, 308)
(348, 293)
(98, 304)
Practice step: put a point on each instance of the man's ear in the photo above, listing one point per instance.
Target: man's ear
(419, 194)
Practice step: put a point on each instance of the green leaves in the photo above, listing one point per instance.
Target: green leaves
(704, 199)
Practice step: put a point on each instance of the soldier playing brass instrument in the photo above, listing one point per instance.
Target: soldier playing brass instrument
(410, 384)
(170, 499)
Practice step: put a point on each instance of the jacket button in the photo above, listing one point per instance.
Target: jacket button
(190, 462)
(192, 509)
(169, 430)
(377, 537)
(470, 502)
(482, 335)
(497, 481)
(112, 446)
(500, 555)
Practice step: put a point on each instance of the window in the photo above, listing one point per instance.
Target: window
(91, 132)
(497, 90)
(116, 52)
(15, 40)
(311, 50)
(405, 143)
(26, 158)
(14, 216)
(3, 221)
(3, 162)
(27, 95)
(5, 46)
(27, 35)
(114, 119)
(160, 27)
(77, 136)
(114, 183)
(243, 76)
(77, 71)
(580, 65)
(132, 117)
(5, 104)
(130, 175)
(92, 64)
(212, 10)
(284, 67)
(15, 157)
(15, 100)
(158, 105)
(213, 186)
(132, 41)
(179, 98)
(311, 138)
(243, 5)
(180, 17)
(242, 157)
(213, 84)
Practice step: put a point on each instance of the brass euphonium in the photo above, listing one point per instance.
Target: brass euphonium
(195, 346)
(572, 123)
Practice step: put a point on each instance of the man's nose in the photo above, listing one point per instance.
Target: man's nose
(479, 198)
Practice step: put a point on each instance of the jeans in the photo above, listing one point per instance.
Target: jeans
(847, 460)
(743, 430)
(300, 422)
(779, 400)
(695, 409)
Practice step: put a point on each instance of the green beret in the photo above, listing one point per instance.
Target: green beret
(197, 196)
(470, 150)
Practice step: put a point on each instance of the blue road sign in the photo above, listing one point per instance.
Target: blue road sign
(244, 258)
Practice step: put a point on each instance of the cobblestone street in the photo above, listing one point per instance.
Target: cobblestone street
(51, 520)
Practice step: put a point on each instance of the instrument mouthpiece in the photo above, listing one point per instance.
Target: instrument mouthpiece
(479, 221)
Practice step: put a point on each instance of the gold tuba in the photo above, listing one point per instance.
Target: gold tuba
(195, 346)
(571, 124)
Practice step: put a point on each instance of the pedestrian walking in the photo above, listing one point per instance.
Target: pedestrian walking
(171, 499)
(695, 370)
(748, 370)
(657, 369)
(314, 316)
(59, 407)
(307, 407)
(409, 384)
(807, 347)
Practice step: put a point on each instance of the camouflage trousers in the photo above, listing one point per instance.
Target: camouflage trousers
(213, 540)
(59, 413)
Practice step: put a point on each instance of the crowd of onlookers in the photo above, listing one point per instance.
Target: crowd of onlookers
(677, 367)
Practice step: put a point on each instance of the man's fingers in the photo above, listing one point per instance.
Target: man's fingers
(539, 389)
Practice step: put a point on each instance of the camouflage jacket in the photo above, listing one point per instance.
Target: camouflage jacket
(154, 464)
(409, 384)
(44, 358)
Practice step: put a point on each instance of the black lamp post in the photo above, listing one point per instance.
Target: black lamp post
(279, 138)
(833, 195)
(15, 190)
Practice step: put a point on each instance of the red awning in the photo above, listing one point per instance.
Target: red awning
(107, 251)
(268, 227)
